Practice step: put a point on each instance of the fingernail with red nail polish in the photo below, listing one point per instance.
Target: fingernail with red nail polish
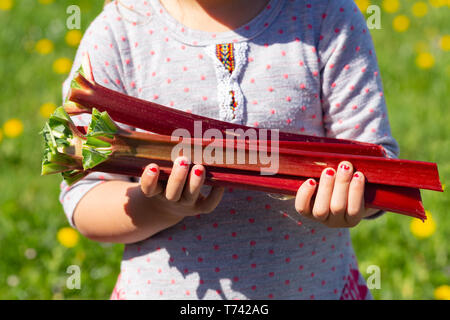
(198, 172)
(183, 163)
(345, 167)
(330, 172)
(152, 171)
(356, 175)
(312, 182)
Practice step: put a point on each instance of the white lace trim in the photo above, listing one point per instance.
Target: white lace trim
(227, 82)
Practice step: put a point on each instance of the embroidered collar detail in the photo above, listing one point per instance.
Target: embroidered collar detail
(230, 60)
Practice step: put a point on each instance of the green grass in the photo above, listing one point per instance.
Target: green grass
(30, 213)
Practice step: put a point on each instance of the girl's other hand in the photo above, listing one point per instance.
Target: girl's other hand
(339, 201)
(181, 197)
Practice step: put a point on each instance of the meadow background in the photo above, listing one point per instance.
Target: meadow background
(36, 245)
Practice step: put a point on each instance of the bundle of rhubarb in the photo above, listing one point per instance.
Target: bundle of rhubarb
(234, 155)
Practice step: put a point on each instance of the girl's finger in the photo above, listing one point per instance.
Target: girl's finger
(193, 185)
(177, 179)
(209, 203)
(304, 196)
(356, 206)
(149, 181)
(321, 207)
(339, 199)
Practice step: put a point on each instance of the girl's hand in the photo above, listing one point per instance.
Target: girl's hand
(339, 202)
(181, 197)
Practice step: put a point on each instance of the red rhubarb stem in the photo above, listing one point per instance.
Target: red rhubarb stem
(288, 162)
(402, 200)
(160, 119)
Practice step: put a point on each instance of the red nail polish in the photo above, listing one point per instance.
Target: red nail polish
(152, 171)
(198, 172)
(330, 172)
(312, 182)
(345, 167)
(183, 163)
(356, 175)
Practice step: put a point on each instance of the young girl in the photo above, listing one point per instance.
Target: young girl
(296, 65)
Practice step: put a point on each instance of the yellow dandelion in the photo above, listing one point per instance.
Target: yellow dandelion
(44, 46)
(442, 292)
(421, 229)
(73, 37)
(6, 5)
(45, 1)
(438, 3)
(419, 9)
(362, 4)
(68, 237)
(391, 6)
(401, 23)
(47, 109)
(445, 42)
(425, 60)
(13, 128)
(62, 65)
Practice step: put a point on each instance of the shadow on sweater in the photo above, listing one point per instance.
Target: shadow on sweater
(251, 247)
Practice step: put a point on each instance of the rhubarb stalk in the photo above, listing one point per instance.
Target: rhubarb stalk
(107, 148)
(105, 138)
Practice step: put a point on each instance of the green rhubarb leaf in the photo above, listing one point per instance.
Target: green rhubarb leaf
(59, 144)
(63, 159)
(95, 149)
(93, 157)
(56, 162)
(101, 125)
(74, 83)
(49, 139)
(61, 115)
(52, 168)
(95, 143)
(57, 131)
(70, 177)
(81, 71)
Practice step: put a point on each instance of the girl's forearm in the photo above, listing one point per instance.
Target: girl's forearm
(118, 212)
